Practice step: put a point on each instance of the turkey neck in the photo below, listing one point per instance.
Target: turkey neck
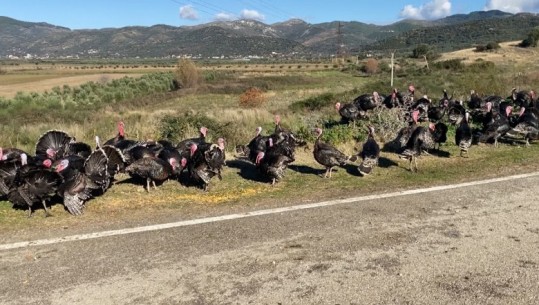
(317, 142)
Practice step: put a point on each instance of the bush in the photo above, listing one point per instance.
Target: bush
(480, 48)
(181, 126)
(371, 66)
(252, 98)
(488, 47)
(187, 74)
(451, 64)
(531, 40)
(492, 46)
(314, 103)
(337, 134)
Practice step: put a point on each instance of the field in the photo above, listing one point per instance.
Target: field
(294, 91)
(508, 54)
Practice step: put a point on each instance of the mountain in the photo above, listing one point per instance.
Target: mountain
(240, 38)
(458, 32)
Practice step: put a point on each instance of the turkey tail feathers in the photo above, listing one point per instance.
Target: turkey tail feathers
(365, 169)
(116, 160)
(96, 168)
(56, 140)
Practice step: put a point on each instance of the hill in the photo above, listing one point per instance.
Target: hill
(455, 33)
(241, 38)
(508, 53)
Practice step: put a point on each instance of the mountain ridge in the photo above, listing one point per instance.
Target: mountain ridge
(241, 38)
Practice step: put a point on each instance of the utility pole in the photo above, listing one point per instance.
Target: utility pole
(392, 67)
(341, 53)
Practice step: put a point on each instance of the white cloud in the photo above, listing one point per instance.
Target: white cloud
(430, 10)
(224, 17)
(513, 6)
(252, 14)
(188, 12)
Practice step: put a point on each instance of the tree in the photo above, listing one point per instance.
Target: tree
(532, 39)
(425, 51)
(187, 74)
(420, 51)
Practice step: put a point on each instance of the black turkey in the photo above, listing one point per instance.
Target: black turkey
(116, 162)
(463, 136)
(422, 139)
(137, 152)
(273, 162)
(283, 135)
(497, 128)
(483, 115)
(527, 125)
(152, 169)
(436, 113)
(455, 112)
(404, 133)
(439, 134)
(53, 145)
(395, 99)
(32, 187)
(409, 98)
(370, 153)
(523, 98)
(327, 155)
(174, 157)
(422, 105)
(349, 113)
(83, 184)
(11, 154)
(475, 101)
(207, 162)
(8, 174)
(367, 102)
(119, 137)
(257, 144)
(185, 145)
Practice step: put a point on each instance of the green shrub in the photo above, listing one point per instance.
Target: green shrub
(531, 40)
(340, 134)
(178, 127)
(488, 47)
(314, 103)
(451, 64)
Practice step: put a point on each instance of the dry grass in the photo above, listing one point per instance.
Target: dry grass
(508, 54)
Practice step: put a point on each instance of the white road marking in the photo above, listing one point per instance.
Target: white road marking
(41, 242)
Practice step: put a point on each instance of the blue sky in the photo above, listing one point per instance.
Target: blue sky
(94, 14)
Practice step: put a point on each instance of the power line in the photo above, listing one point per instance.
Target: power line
(213, 7)
(283, 13)
(259, 9)
(198, 9)
(263, 7)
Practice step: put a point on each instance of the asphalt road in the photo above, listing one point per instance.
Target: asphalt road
(468, 245)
